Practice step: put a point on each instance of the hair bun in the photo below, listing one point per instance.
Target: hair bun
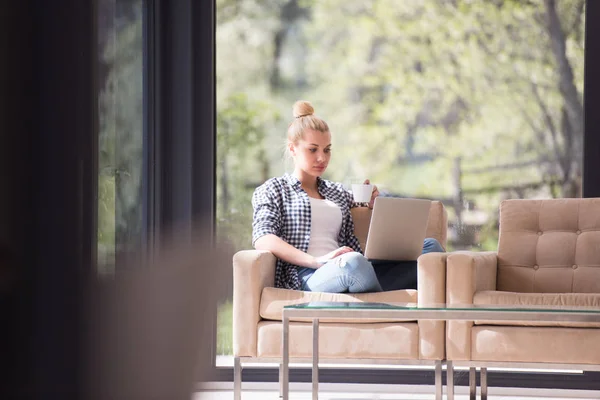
(302, 108)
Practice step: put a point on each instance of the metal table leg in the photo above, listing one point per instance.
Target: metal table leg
(472, 383)
(449, 380)
(285, 384)
(237, 379)
(483, 379)
(315, 366)
(438, 380)
(280, 379)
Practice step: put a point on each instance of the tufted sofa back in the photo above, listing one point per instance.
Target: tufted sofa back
(549, 246)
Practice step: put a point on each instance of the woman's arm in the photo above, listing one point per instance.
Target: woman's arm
(285, 251)
(267, 222)
(289, 253)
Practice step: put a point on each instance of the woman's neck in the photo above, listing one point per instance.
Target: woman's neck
(308, 182)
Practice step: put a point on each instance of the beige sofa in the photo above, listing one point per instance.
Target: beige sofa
(257, 312)
(548, 254)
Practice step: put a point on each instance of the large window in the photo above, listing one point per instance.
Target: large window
(467, 102)
(121, 144)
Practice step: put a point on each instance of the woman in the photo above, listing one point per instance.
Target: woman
(305, 220)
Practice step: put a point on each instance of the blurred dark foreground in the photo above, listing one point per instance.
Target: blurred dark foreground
(145, 333)
(152, 327)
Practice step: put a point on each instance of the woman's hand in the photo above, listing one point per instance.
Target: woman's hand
(333, 254)
(374, 194)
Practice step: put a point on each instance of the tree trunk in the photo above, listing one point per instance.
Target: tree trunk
(568, 90)
(224, 185)
(458, 194)
(290, 12)
(264, 164)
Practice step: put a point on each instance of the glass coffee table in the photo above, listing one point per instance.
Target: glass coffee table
(315, 311)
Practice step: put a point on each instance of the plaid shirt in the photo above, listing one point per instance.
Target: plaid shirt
(282, 208)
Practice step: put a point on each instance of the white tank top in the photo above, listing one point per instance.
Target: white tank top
(325, 225)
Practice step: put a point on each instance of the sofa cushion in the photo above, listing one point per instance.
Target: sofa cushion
(273, 300)
(535, 344)
(513, 299)
(549, 246)
(340, 340)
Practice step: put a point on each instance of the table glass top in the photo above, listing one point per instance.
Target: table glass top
(440, 307)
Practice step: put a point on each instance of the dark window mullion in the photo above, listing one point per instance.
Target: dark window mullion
(186, 116)
(591, 95)
(152, 121)
(175, 109)
(204, 141)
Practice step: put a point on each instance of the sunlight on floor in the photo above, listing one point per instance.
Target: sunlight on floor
(273, 395)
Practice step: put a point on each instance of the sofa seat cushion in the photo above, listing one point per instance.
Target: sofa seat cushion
(273, 300)
(341, 340)
(513, 299)
(535, 344)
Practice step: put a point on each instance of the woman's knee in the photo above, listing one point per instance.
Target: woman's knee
(431, 245)
(361, 273)
(355, 261)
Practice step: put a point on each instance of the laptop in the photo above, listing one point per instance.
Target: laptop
(397, 229)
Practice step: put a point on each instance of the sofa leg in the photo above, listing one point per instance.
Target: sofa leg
(449, 380)
(237, 379)
(472, 383)
(483, 379)
(280, 379)
(438, 380)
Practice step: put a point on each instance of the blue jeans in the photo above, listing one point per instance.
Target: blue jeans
(352, 272)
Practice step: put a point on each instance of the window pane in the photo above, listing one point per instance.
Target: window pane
(120, 82)
(467, 102)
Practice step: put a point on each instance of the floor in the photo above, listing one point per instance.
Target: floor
(329, 391)
(378, 392)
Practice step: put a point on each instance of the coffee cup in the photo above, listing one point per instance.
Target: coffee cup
(362, 192)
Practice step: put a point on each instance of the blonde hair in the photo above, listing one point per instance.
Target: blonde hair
(304, 119)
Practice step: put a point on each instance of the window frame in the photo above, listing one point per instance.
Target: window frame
(180, 120)
(591, 97)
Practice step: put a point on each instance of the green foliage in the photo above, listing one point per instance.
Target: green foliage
(241, 163)
(224, 328)
(120, 137)
(106, 219)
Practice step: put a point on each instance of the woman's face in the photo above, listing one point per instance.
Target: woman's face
(312, 153)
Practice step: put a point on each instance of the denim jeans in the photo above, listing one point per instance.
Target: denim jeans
(352, 272)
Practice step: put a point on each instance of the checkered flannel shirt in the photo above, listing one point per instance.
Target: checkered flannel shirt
(282, 208)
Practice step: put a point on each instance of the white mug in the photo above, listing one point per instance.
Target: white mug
(362, 192)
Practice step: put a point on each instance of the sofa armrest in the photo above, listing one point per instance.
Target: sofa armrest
(466, 273)
(431, 289)
(253, 270)
(431, 278)
(469, 272)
